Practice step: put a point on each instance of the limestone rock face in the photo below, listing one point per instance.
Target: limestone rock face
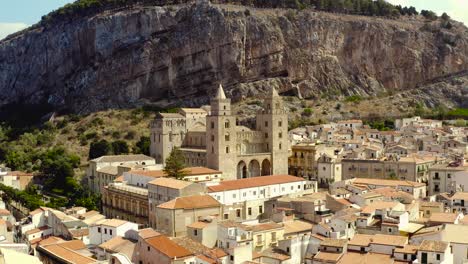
(179, 54)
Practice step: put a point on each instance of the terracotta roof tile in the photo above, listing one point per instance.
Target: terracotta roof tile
(460, 196)
(191, 202)
(170, 183)
(297, 226)
(381, 239)
(443, 217)
(147, 233)
(263, 227)
(382, 182)
(198, 225)
(331, 242)
(378, 205)
(408, 249)
(113, 222)
(67, 254)
(367, 258)
(360, 240)
(327, 257)
(167, 247)
(433, 246)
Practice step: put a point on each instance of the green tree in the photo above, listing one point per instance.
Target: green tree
(307, 112)
(429, 14)
(445, 16)
(460, 122)
(58, 166)
(99, 148)
(393, 176)
(175, 164)
(143, 146)
(120, 147)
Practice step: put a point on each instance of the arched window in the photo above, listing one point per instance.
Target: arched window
(226, 124)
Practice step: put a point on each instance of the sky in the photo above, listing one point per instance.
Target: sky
(18, 14)
(457, 9)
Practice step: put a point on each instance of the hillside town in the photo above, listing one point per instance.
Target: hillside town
(339, 192)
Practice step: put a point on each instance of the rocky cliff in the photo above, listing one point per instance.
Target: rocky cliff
(178, 54)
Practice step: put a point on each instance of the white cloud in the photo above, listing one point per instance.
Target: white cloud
(8, 28)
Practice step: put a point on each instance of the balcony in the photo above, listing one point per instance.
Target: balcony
(240, 238)
(323, 212)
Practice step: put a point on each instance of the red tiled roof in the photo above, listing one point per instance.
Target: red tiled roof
(168, 247)
(190, 202)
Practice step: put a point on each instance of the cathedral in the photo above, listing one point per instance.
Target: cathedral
(210, 137)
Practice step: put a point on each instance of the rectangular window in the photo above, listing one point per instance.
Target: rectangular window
(226, 216)
(249, 210)
(280, 123)
(99, 230)
(195, 232)
(244, 194)
(212, 125)
(105, 231)
(280, 135)
(266, 123)
(438, 256)
(226, 137)
(212, 137)
(279, 145)
(266, 135)
(238, 213)
(227, 149)
(110, 232)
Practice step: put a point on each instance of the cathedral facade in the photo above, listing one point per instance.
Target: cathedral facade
(211, 137)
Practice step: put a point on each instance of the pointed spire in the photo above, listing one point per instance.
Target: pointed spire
(220, 93)
(273, 92)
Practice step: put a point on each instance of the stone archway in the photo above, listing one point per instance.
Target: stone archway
(241, 170)
(266, 167)
(254, 168)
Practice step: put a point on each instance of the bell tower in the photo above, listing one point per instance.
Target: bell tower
(221, 136)
(273, 122)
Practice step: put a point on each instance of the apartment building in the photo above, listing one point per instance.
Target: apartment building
(259, 188)
(442, 177)
(15, 179)
(173, 217)
(411, 168)
(302, 162)
(107, 229)
(99, 177)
